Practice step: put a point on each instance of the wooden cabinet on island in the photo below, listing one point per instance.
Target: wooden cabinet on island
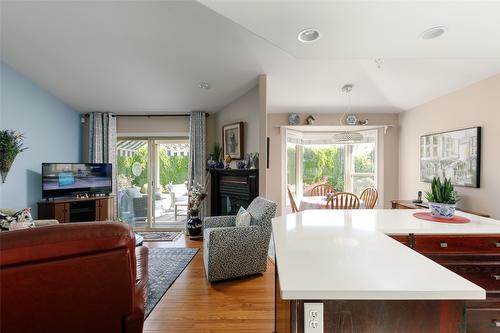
(77, 209)
(474, 256)
(346, 261)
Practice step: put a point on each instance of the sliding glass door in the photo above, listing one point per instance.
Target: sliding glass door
(170, 200)
(132, 176)
(152, 182)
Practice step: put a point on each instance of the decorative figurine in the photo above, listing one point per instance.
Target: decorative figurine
(254, 160)
(248, 161)
(310, 120)
(241, 165)
(228, 160)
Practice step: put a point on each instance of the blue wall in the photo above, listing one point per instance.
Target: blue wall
(52, 134)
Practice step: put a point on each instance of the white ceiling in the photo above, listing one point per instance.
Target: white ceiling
(148, 56)
(129, 56)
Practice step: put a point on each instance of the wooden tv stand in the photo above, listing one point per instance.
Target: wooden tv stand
(77, 209)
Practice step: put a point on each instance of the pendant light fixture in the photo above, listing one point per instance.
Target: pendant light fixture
(350, 119)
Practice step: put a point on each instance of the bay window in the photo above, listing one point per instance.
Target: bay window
(315, 158)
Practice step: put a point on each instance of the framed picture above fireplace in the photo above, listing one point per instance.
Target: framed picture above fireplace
(453, 154)
(233, 140)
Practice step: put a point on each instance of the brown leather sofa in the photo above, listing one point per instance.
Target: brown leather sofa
(72, 278)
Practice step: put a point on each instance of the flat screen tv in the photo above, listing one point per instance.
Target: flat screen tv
(71, 179)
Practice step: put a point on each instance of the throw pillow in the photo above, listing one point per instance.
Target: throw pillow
(8, 211)
(243, 218)
(5, 220)
(19, 220)
(23, 215)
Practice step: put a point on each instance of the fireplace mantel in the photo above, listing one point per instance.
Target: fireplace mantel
(232, 189)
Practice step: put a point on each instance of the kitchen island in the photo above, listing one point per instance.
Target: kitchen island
(365, 268)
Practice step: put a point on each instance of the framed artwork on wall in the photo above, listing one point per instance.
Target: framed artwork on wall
(233, 140)
(453, 154)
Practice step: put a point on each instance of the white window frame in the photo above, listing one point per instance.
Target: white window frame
(350, 172)
(348, 166)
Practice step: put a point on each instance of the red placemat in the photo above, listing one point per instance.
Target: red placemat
(427, 216)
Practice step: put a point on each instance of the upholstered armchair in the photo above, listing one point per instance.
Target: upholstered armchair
(231, 251)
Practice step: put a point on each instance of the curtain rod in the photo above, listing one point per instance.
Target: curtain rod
(151, 115)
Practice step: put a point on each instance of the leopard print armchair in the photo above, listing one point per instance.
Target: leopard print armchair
(231, 251)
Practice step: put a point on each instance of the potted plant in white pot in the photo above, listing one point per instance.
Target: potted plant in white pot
(442, 198)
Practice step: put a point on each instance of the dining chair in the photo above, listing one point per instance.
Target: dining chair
(292, 200)
(369, 196)
(343, 200)
(322, 190)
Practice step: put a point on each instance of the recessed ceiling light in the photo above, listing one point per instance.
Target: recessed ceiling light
(434, 32)
(204, 85)
(308, 35)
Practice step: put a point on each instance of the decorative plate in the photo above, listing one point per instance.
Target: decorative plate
(351, 119)
(293, 119)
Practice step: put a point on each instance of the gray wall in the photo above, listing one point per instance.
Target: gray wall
(52, 134)
(245, 109)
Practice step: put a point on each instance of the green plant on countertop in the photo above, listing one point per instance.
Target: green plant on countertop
(216, 151)
(442, 192)
(11, 144)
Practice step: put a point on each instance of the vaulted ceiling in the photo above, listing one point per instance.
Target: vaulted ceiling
(150, 56)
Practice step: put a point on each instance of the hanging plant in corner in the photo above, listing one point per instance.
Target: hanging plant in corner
(11, 144)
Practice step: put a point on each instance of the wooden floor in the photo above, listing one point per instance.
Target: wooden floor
(192, 305)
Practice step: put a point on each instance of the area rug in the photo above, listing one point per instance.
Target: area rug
(165, 265)
(156, 236)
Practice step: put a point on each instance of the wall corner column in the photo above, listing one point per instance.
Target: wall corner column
(262, 134)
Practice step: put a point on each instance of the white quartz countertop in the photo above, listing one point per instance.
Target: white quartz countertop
(345, 254)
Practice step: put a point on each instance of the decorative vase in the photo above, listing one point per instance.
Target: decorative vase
(254, 160)
(443, 211)
(3, 174)
(212, 163)
(5, 167)
(194, 225)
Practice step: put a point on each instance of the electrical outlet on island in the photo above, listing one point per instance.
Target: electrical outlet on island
(313, 318)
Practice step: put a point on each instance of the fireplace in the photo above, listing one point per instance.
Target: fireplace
(232, 189)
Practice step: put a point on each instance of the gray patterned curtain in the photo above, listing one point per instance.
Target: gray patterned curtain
(197, 155)
(102, 141)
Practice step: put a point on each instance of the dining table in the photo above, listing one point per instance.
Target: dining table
(319, 202)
